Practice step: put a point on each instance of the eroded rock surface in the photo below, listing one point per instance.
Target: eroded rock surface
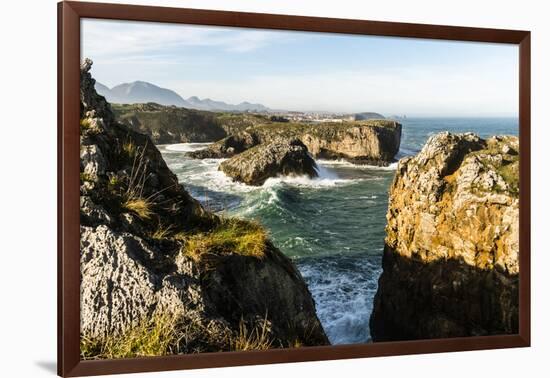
(278, 158)
(450, 265)
(137, 222)
(373, 142)
(227, 147)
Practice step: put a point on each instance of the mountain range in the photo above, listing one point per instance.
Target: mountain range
(143, 92)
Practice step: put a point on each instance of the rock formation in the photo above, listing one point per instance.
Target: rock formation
(227, 147)
(153, 260)
(366, 142)
(278, 158)
(373, 142)
(450, 264)
(170, 124)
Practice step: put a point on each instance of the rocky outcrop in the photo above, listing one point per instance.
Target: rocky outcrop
(170, 124)
(150, 253)
(227, 147)
(366, 142)
(278, 158)
(373, 142)
(450, 265)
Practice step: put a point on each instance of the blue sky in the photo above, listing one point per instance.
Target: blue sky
(308, 71)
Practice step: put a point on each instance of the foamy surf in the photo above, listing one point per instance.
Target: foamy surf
(347, 164)
(313, 221)
(185, 147)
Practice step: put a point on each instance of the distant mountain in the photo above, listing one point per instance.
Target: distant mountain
(367, 115)
(209, 104)
(102, 89)
(140, 92)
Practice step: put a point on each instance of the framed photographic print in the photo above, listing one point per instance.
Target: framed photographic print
(240, 188)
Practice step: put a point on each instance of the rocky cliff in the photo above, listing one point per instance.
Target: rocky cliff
(450, 264)
(159, 274)
(364, 142)
(170, 124)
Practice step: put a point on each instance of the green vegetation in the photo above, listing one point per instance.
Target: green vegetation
(234, 122)
(158, 120)
(85, 124)
(156, 336)
(87, 127)
(129, 148)
(170, 124)
(507, 167)
(231, 235)
(114, 184)
(509, 171)
(86, 177)
(325, 129)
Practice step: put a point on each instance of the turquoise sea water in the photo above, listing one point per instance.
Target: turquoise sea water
(331, 226)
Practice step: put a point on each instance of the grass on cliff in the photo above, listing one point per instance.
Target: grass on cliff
(231, 235)
(85, 124)
(256, 338)
(133, 198)
(130, 149)
(142, 207)
(162, 232)
(510, 174)
(156, 336)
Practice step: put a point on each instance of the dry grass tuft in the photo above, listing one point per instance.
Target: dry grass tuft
(85, 124)
(134, 198)
(142, 207)
(257, 338)
(130, 149)
(151, 337)
(162, 232)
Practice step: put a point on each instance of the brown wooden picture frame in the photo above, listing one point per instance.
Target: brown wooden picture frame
(69, 15)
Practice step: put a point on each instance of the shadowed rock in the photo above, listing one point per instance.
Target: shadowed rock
(451, 249)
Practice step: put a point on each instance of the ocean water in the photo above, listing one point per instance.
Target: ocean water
(331, 226)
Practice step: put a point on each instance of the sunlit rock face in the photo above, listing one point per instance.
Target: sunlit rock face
(450, 265)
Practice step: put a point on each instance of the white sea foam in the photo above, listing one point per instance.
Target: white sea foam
(185, 147)
(343, 297)
(325, 179)
(305, 181)
(347, 164)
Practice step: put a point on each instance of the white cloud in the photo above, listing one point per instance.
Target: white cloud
(127, 51)
(137, 41)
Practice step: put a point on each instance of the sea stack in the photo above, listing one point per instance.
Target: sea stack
(280, 157)
(450, 264)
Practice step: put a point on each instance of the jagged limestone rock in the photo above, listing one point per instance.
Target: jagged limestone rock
(278, 158)
(227, 147)
(136, 221)
(451, 250)
(373, 142)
